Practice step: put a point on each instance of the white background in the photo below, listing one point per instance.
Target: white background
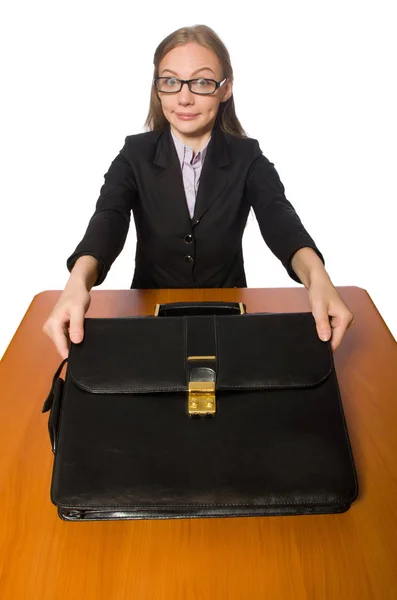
(314, 83)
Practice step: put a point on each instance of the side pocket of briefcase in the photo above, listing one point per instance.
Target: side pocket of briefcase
(53, 404)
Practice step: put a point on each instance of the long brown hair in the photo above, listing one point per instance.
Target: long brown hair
(205, 36)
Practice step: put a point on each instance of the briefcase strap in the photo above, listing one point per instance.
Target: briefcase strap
(50, 398)
(53, 403)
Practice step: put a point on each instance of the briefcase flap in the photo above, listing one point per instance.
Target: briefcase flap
(138, 355)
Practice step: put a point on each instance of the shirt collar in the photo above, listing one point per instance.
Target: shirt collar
(180, 148)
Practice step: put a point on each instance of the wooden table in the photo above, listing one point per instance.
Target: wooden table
(339, 557)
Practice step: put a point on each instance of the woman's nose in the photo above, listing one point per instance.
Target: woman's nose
(185, 95)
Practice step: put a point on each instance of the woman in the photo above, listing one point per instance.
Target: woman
(190, 235)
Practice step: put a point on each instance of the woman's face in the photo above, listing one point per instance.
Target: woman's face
(192, 61)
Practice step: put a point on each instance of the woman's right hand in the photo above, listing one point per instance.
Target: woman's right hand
(66, 321)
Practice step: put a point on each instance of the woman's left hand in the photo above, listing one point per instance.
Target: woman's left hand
(331, 314)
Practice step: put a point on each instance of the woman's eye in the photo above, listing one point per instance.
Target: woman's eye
(202, 82)
(171, 81)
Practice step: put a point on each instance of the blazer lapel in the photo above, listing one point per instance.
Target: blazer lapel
(212, 179)
(169, 178)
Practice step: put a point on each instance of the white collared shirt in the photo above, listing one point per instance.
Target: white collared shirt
(191, 169)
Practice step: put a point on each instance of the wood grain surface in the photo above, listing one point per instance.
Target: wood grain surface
(334, 557)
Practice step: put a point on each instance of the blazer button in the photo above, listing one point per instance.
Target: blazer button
(188, 238)
(188, 259)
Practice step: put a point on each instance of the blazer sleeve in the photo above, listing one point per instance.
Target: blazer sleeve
(108, 227)
(281, 228)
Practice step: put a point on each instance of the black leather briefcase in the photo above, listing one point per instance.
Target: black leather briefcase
(199, 415)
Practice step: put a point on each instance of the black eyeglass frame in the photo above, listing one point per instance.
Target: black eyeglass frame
(188, 81)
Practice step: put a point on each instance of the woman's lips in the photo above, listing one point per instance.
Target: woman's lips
(186, 117)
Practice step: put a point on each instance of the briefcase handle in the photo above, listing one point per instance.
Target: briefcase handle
(177, 309)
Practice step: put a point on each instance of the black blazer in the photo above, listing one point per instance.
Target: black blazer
(173, 250)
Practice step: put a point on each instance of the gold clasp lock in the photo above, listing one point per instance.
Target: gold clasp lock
(202, 398)
(201, 386)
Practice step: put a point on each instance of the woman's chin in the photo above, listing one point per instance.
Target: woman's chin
(187, 124)
(190, 127)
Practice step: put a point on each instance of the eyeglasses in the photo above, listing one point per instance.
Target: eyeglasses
(172, 85)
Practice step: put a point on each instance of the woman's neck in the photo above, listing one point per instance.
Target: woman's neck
(196, 142)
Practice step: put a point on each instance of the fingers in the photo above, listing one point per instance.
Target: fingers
(338, 331)
(351, 321)
(56, 330)
(76, 328)
(334, 330)
(331, 314)
(60, 340)
(340, 324)
(66, 322)
(322, 322)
